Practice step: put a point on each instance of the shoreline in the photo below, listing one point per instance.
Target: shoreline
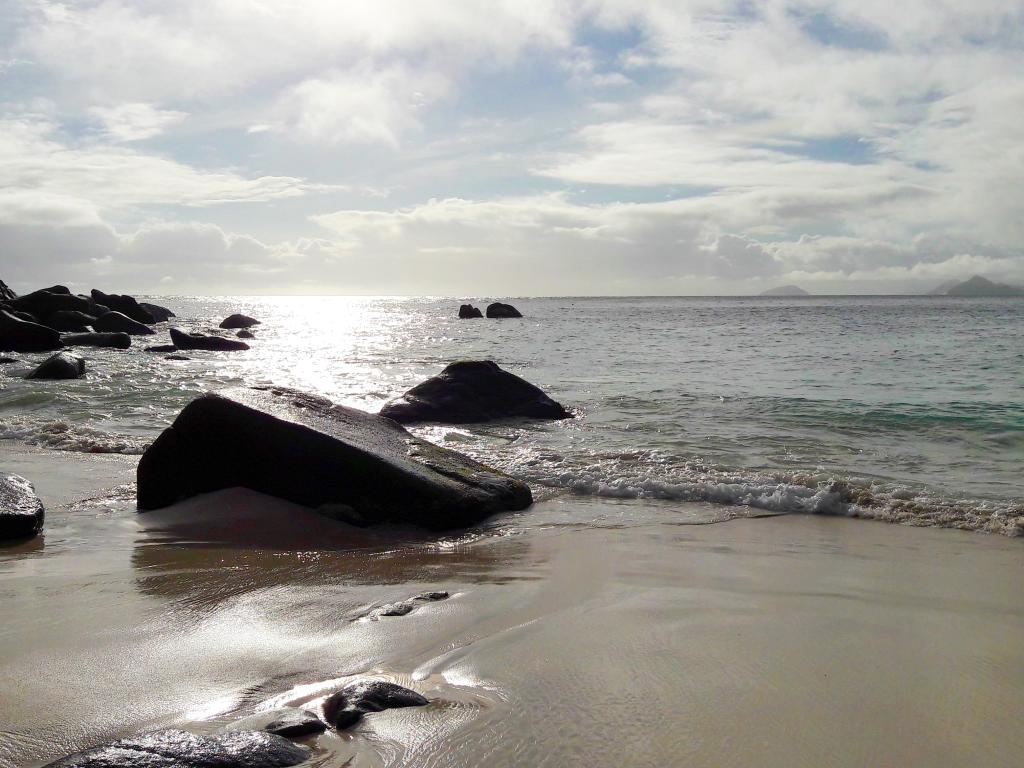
(780, 641)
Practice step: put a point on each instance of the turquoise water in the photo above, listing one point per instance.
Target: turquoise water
(901, 408)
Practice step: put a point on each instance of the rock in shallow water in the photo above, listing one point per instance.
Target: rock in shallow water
(184, 340)
(181, 749)
(287, 721)
(307, 450)
(347, 707)
(469, 312)
(473, 391)
(499, 310)
(114, 340)
(17, 335)
(63, 365)
(117, 322)
(239, 321)
(21, 511)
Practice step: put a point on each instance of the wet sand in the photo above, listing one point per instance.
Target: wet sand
(786, 641)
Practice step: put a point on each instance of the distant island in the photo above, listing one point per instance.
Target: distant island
(976, 286)
(785, 290)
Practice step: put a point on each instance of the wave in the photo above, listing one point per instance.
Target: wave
(65, 436)
(650, 475)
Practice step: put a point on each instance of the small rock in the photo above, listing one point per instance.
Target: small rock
(346, 707)
(468, 312)
(177, 357)
(162, 348)
(239, 321)
(245, 334)
(159, 314)
(21, 511)
(287, 721)
(393, 609)
(432, 597)
(499, 310)
(63, 365)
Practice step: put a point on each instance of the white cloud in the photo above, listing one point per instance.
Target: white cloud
(135, 121)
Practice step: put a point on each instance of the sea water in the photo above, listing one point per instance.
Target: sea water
(908, 409)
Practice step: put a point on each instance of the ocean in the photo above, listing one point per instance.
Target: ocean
(906, 409)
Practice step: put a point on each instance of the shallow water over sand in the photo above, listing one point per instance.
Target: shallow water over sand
(624, 640)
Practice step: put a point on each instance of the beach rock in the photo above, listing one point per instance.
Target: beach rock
(239, 321)
(17, 335)
(57, 289)
(63, 365)
(307, 450)
(181, 749)
(126, 305)
(245, 334)
(287, 721)
(473, 391)
(468, 312)
(21, 511)
(159, 314)
(405, 607)
(119, 322)
(184, 340)
(6, 294)
(347, 707)
(497, 309)
(44, 303)
(113, 340)
(177, 357)
(70, 321)
(161, 348)
(28, 317)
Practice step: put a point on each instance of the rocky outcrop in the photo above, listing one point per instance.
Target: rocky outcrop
(6, 294)
(184, 340)
(63, 365)
(126, 305)
(307, 450)
(473, 391)
(17, 335)
(181, 749)
(245, 333)
(159, 314)
(114, 340)
(287, 721)
(21, 511)
(114, 322)
(239, 321)
(469, 312)
(44, 303)
(405, 607)
(347, 707)
(499, 310)
(69, 321)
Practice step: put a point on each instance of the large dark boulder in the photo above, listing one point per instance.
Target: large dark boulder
(347, 707)
(44, 303)
(471, 391)
(17, 335)
(115, 340)
(184, 340)
(63, 365)
(159, 314)
(469, 312)
(6, 294)
(239, 321)
(307, 450)
(497, 309)
(117, 322)
(126, 305)
(181, 749)
(70, 321)
(21, 511)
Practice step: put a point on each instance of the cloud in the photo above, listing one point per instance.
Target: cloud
(135, 121)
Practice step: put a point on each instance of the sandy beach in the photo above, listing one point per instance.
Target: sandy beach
(783, 641)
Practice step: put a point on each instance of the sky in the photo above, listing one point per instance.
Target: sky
(510, 148)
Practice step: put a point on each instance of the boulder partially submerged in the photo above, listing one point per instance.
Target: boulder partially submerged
(307, 450)
(286, 721)
(181, 749)
(70, 321)
(347, 707)
(63, 365)
(21, 511)
(473, 391)
(469, 312)
(159, 314)
(118, 322)
(238, 321)
(184, 340)
(17, 335)
(497, 309)
(118, 340)
(126, 305)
